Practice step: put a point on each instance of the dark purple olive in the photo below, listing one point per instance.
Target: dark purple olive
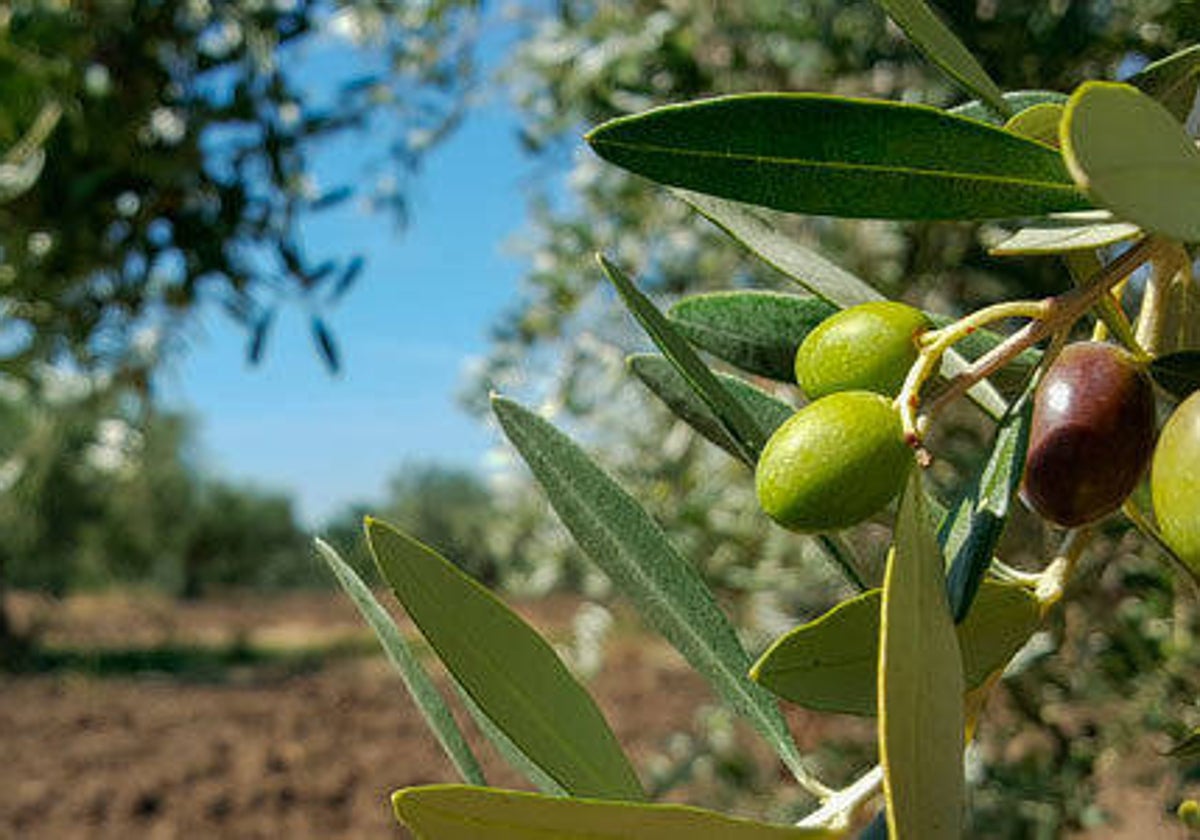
(1092, 434)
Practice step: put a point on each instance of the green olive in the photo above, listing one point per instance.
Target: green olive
(868, 347)
(834, 463)
(1175, 481)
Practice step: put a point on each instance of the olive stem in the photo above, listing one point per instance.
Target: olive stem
(1054, 578)
(934, 345)
(835, 812)
(1058, 314)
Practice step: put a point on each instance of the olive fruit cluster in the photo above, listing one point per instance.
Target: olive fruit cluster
(1175, 481)
(1091, 436)
(843, 457)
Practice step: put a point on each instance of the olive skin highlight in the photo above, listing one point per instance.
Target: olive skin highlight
(834, 463)
(1175, 481)
(1091, 436)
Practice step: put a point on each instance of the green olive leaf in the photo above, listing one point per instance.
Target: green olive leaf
(661, 377)
(921, 685)
(510, 671)
(1177, 373)
(830, 664)
(429, 702)
(933, 38)
(1133, 157)
(1172, 81)
(755, 331)
(625, 542)
(835, 156)
(1038, 122)
(459, 812)
(740, 425)
(1017, 101)
(969, 535)
(755, 229)
(504, 745)
(1066, 232)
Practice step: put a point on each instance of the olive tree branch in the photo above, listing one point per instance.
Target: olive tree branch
(1058, 313)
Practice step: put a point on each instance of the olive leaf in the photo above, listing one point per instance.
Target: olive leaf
(1066, 232)
(459, 812)
(661, 377)
(921, 686)
(740, 425)
(625, 542)
(429, 702)
(933, 38)
(755, 331)
(969, 535)
(831, 155)
(510, 671)
(1038, 122)
(830, 663)
(759, 233)
(1172, 80)
(1133, 157)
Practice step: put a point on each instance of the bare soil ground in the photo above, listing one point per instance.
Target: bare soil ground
(249, 745)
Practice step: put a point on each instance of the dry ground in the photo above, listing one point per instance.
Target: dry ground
(288, 746)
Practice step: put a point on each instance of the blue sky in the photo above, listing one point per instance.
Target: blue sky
(420, 310)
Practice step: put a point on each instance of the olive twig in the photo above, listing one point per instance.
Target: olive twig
(1054, 578)
(934, 345)
(1059, 313)
(835, 812)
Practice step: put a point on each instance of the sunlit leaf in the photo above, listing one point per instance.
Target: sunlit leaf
(661, 377)
(510, 671)
(1066, 232)
(458, 812)
(831, 663)
(1133, 157)
(1178, 373)
(970, 534)
(627, 544)
(429, 702)
(921, 686)
(942, 47)
(1038, 122)
(1172, 81)
(830, 155)
(740, 425)
(755, 331)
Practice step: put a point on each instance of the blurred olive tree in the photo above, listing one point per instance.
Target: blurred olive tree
(157, 156)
